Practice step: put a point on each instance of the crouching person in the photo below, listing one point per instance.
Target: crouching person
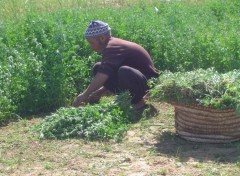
(124, 66)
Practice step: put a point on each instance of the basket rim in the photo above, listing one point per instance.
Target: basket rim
(200, 107)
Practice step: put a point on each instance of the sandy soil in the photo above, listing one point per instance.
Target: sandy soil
(151, 147)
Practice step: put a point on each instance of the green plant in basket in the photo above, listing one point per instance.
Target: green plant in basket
(207, 88)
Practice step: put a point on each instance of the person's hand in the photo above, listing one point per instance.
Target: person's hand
(81, 98)
(94, 97)
(98, 94)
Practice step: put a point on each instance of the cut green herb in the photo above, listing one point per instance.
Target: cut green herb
(107, 120)
(207, 88)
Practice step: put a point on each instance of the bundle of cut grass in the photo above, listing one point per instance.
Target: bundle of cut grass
(206, 88)
(109, 119)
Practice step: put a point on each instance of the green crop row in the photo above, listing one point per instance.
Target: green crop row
(45, 60)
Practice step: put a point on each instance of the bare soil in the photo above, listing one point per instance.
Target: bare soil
(151, 147)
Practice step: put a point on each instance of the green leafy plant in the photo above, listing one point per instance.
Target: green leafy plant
(207, 88)
(106, 120)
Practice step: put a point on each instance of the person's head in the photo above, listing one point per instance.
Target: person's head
(98, 34)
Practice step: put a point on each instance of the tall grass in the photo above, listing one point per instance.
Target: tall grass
(45, 60)
(15, 9)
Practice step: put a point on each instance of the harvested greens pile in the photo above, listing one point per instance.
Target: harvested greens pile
(207, 88)
(106, 120)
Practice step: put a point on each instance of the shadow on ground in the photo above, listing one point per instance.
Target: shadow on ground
(173, 145)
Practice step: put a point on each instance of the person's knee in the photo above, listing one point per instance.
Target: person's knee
(124, 72)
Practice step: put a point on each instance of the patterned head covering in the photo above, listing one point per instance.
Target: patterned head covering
(96, 28)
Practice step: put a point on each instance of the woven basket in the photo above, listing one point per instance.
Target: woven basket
(200, 124)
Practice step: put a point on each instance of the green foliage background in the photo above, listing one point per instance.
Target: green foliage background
(45, 61)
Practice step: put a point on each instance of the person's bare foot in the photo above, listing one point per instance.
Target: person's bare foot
(146, 96)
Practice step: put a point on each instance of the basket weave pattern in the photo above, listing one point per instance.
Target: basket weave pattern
(200, 124)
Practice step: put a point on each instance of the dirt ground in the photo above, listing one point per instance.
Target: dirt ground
(150, 148)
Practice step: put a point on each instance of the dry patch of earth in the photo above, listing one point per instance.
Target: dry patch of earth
(149, 148)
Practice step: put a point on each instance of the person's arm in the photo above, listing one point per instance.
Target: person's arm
(97, 82)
